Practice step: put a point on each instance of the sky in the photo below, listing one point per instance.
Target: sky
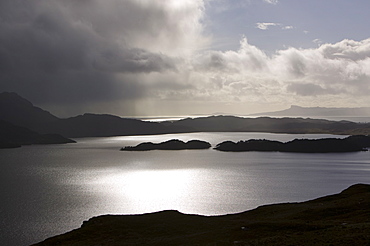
(185, 57)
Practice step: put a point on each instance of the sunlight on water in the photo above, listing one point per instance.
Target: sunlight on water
(48, 190)
(145, 189)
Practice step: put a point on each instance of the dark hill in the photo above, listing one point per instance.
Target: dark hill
(21, 112)
(273, 125)
(173, 144)
(96, 125)
(12, 136)
(340, 219)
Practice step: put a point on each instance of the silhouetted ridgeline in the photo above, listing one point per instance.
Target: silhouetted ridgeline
(297, 111)
(327, 145)
(273, 125)
(21, 112)
(173, 144)
(18, 111)
(340, 219)
(12, 136)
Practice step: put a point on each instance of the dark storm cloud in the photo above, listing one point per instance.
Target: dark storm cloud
(49, 53)
(132, 61)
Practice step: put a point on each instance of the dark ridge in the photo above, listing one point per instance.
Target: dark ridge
(173, 144)
(340, 219)
(21, 112)
(273, 125)
(103, 125)
(12, 136)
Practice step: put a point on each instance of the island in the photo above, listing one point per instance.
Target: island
(340, 219)
(325, 145)
(173, 144)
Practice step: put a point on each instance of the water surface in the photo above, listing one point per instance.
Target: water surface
(50, 189)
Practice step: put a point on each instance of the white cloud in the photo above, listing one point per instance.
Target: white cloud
(287, 27)
(265, 25)
(331, 73)
(271, 1)
(317, 41)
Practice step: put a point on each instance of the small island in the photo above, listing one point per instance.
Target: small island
(325, 145)
(173, 144)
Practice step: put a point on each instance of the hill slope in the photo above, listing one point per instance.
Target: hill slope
(21, 112)
(12, 136)
(273, 125)
(341, 219)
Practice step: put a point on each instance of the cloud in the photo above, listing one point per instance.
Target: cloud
(317, 41)
(124, 57)
(331, 73)
(347, 49)
(309, 89)
(287, 27)
(248, 57)
(265, 25)
(81, 51)
(271, 1)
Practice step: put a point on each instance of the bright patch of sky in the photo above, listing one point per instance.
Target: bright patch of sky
(289, 23)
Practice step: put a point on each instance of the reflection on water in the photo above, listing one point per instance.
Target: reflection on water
(48, 190)
(146, 190)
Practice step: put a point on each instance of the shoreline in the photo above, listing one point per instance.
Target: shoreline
(339, 219)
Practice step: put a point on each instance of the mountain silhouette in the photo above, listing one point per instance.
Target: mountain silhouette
(21, 112)
(12, 136)
(102, 125)
(296, 111)
(18, 111)
(272, 125)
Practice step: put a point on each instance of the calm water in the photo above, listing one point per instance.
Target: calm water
(48, 190)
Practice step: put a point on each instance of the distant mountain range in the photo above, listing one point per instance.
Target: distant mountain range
(318, 111)
(23, 123)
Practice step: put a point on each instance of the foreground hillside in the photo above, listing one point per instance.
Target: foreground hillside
(341, 219)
